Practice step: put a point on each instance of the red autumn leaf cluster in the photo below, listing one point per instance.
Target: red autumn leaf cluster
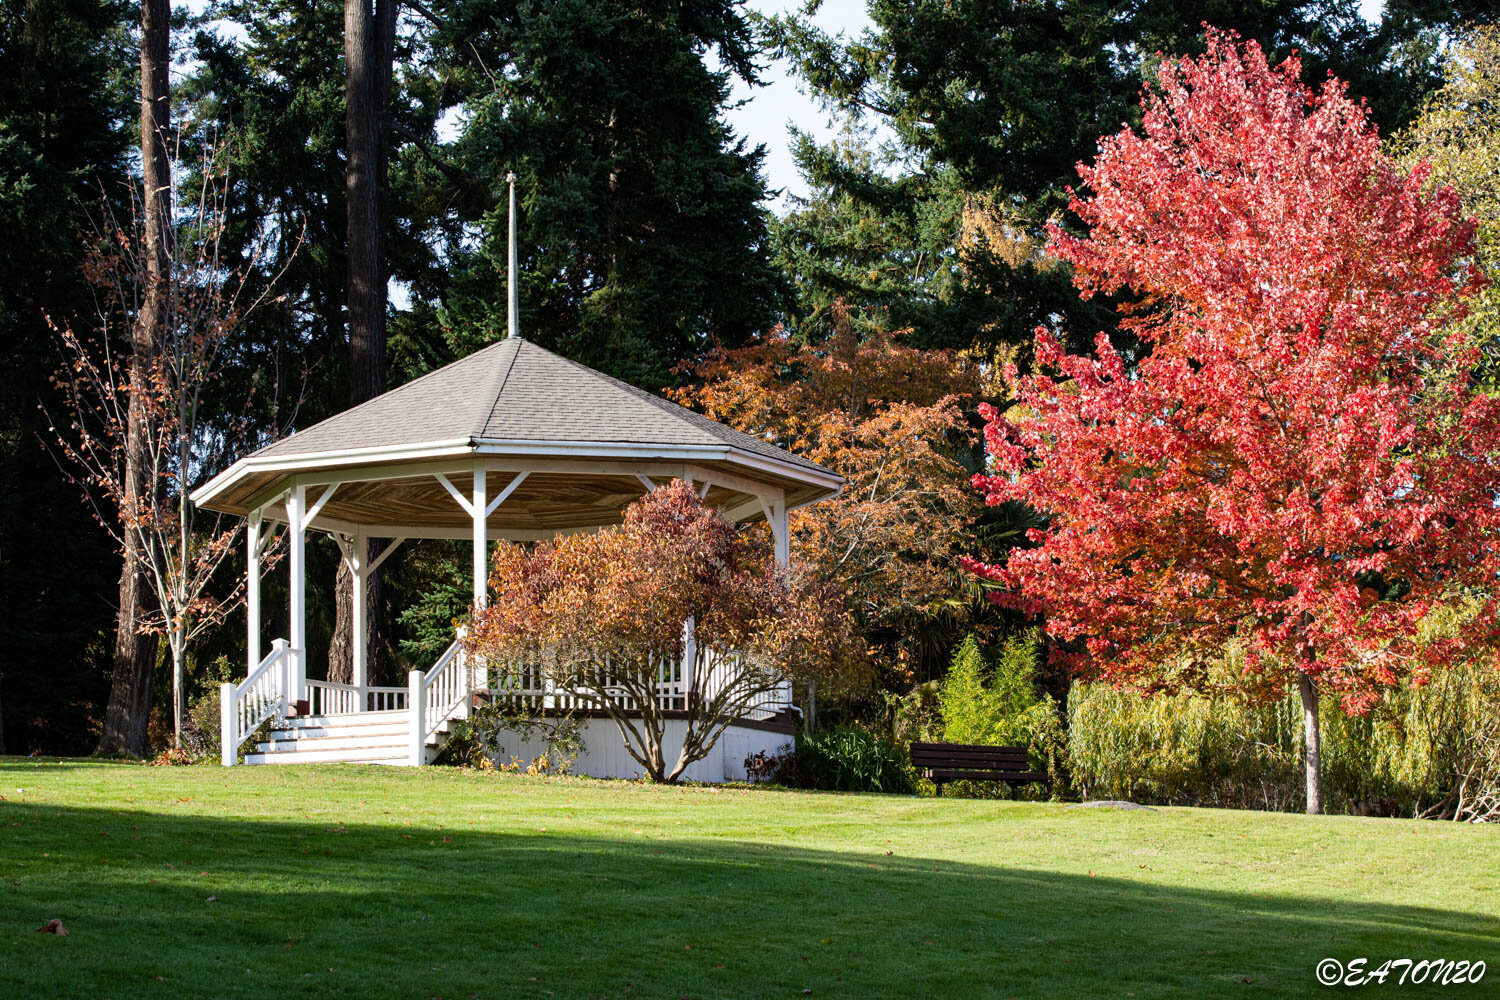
(1296, 456)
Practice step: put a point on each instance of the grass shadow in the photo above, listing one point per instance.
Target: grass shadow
(192, 905)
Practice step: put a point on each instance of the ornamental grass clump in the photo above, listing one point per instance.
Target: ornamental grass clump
(610, 616)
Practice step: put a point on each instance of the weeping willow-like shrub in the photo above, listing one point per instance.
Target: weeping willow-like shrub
(1183, 749)
(1426, 751)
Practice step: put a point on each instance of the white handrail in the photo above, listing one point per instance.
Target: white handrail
(436, 696)
(244, 706)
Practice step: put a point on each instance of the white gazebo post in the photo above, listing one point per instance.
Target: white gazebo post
(359, 667)
(777, 515)
(780, 532)
(296, 512)
(252, 590)
(479, 676)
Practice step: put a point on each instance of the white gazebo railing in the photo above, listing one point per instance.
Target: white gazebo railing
(333, 698)
(244, 706)
(526, 686)
(443, 692)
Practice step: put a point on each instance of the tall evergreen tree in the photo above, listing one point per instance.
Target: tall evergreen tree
(990, 104)
(279, 83)
(66, 97)
(642, 232)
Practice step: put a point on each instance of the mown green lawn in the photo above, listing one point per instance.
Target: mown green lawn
(366, 882)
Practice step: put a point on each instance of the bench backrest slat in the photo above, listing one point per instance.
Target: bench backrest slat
(981, 747)
(962, 755)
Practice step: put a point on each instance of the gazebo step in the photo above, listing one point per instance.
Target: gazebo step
(337, 741)
(374, 730)
(347, 755)
(344, 719)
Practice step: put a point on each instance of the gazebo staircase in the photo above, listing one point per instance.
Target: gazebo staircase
(342, 722)
(351, 737)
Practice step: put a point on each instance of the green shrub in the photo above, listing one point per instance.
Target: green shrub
(489, 736)
(1182, 750)
(1000, 706)
(845, 759)
(913, 715)
(201, 722)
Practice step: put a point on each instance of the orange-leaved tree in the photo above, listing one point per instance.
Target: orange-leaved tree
(602, 616)
(890, 419)
(1299, 459)
(155, 420)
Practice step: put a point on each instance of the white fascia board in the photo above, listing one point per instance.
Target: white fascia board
(815, 476)
(454, 448)
(462, 447)
(685, 452)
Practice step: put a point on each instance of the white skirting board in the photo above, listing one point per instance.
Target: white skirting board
(604, 756)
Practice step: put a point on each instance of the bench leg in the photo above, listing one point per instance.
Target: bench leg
(939, 788)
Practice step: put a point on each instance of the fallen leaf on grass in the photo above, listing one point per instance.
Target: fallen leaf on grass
(53, 927)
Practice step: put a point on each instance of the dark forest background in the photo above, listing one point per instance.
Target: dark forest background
(646, 230)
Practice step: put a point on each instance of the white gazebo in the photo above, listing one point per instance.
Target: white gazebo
(512, 442)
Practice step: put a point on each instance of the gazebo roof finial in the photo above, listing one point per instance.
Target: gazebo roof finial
(512, 317)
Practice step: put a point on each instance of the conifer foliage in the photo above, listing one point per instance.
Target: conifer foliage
(1299, 458)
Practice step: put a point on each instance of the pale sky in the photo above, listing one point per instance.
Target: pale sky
(771, 110)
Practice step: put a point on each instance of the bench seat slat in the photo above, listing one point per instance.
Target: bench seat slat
(992, 762)
(1008, 765)
(993, 753)
(974, 774)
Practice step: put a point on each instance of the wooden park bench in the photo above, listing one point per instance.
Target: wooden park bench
(944, 762)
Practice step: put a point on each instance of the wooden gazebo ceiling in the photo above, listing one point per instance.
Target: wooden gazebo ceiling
(543, 504)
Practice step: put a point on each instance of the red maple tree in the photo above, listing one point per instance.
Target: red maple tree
(1295, 457)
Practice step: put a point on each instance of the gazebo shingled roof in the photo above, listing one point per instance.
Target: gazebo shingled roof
(587, 441)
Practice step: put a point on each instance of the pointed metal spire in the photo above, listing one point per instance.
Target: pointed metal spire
(512, 319)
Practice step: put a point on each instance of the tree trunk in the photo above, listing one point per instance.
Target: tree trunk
(369, 54)
(179, 685)
(129, 708)
(1313, 752)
